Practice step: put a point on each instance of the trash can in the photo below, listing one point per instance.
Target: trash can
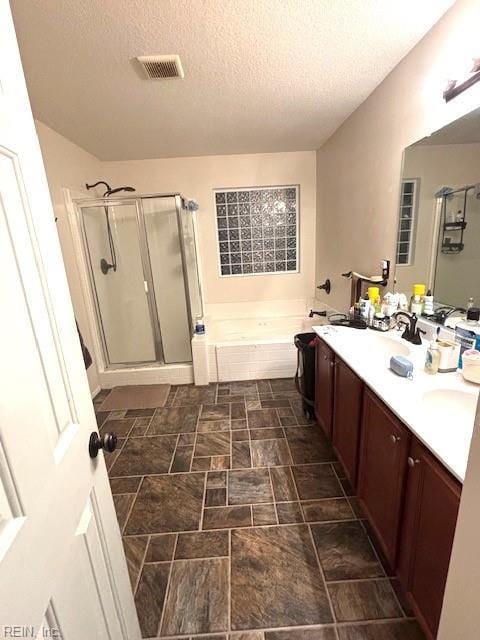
(305, 376)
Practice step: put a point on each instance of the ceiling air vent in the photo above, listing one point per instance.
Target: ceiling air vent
(161, 67)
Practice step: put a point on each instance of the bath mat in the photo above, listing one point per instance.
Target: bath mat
(140, 396)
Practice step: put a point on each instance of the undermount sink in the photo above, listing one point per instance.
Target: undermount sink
(388, 347)
(445, 402)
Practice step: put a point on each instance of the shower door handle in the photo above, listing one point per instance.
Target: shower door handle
(145, 284)
(107, 442)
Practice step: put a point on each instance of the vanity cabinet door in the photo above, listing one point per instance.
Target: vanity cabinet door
(347, 414)
(385, 443)
(324, 380)
(432, 500)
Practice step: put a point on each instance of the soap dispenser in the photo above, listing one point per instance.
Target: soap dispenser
(432, 359)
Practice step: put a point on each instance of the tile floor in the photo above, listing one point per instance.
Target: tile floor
(238, 522)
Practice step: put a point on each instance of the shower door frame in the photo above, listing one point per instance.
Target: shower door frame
(81, 203)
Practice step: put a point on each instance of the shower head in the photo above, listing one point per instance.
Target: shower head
(109, 190)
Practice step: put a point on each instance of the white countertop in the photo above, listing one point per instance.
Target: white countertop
(439, 409)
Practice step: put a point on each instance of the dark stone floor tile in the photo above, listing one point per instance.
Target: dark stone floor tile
(242, 434)
(283, 485)
(138, 432)
(275, 404)
(125, 485)
(288, 421)
(270, 453)
(264, 514)
(207, 426)
(325, 633)
(215, 412)
(150, 597)
(266, 434)
(345, 551)
(201, 464)
(260, 418)
(197, 600)
(120, 427)
(356, 508)
(123, 503)
(134, 547)
(263, 386)
(238, 411)
(216, 497)
(227, 517)
(235, 425)
(191, 395)
(275, 579)
(167, 504)
(101, 416)
(247, 635)
(143, 456)
(365, 600)
(160, 548)
(216, 479)
(202, 544)
(186, 439)
(213, 444)
(241, 457)
(289, 512)
(220, 462)
(282, 384)
(173, 420)
(316, 481)
(330, 509)
(347, 487)
(182, 459)
(309, 445)
(402, 630)
(249, 486)
(401, 597)
(140, 413)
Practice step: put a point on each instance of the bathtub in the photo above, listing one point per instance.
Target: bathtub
(254, 348)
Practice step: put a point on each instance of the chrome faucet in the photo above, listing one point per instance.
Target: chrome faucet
(412, 332)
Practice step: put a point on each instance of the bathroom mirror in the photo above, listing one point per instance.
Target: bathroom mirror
(438, 242)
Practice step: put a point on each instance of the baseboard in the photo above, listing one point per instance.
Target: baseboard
(95, 392)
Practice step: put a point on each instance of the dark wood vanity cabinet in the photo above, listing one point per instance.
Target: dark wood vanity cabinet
(347, 413)
(324, 381)
(384, 449)
(432, 500)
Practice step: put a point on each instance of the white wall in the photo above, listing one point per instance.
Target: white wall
(69, 166)
(197, 177)
(359, 167)
(453, 165)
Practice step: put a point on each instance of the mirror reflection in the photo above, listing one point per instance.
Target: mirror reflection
(438, 242)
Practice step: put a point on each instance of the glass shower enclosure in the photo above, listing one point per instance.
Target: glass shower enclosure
(144, 279)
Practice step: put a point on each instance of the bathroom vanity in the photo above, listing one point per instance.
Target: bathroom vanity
(404, 448)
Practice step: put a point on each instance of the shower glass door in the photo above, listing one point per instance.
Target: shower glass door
(120, 286)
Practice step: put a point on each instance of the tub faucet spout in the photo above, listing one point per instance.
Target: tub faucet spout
(316, 313)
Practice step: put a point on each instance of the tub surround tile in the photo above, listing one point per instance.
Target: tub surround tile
(150, 597)
(161, 547)
(316, 481)
(227, 517)
(202, 544)
(135, 547)
(167, 504)
(345, 551)
(270, 453)
(365, 600)
(143, 456)
(197, 600)
(174, 420)
(249, 487)
(261, 418)
(275, 579)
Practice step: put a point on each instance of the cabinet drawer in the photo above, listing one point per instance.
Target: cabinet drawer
(385, 445)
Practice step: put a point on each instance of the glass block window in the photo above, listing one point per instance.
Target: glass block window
(257, 230)
(407, 221)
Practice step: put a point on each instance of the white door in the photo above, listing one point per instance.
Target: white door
(62, 569)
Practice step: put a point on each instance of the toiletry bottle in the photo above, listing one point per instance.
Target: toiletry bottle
(432, 359)
(428, 308)
(416, 306)
(470, 303)
(365, 307)
(467, 333)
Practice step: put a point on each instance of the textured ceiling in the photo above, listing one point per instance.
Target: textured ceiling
(260, 75)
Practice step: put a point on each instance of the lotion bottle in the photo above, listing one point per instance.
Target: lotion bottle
(432, 359)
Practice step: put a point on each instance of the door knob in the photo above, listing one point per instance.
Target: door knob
(107, 442)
